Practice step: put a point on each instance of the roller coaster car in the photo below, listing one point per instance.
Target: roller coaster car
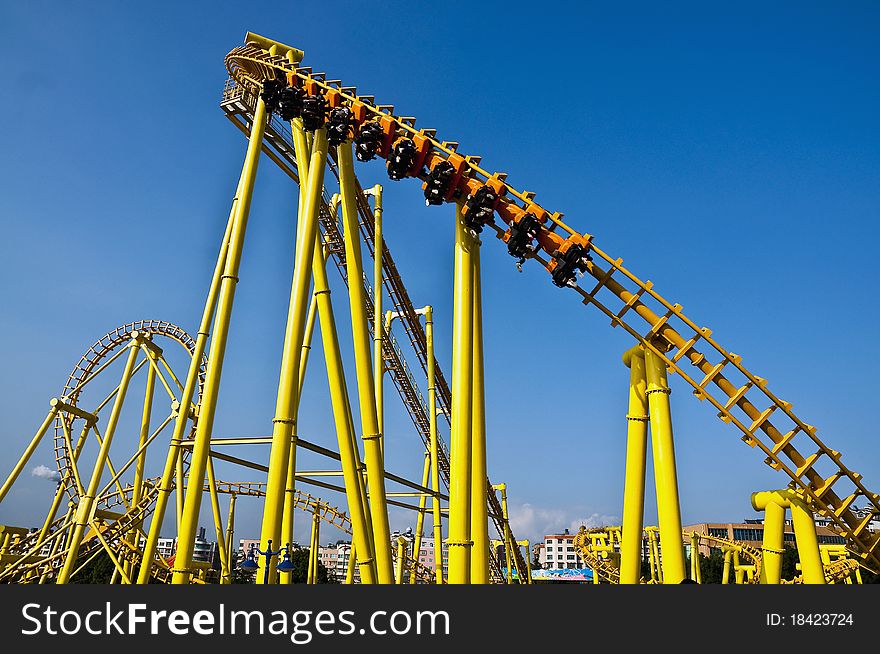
(479, 207)
(314, 112)
(521, 236)
(314, 108)
(339, 125)
(290, 103)
(401, 158)
(569, 259)
(367, 141)
(271, 94)
(437, 183)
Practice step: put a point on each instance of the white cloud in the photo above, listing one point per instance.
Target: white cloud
(534, 522)
(595, 520)
(46, 473)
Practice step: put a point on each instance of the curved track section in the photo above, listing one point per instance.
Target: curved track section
(102, 353)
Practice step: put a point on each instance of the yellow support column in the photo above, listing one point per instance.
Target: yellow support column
(774, 504)
(289, 510)
(29, 450)
(435, 446)
(725, 576)
(774, 539)
(696, 571)
(479, 477)
(283, 446)
(366, 391)
(226, 296)
(166, 485)
(349, 568)
(807, 542)
(60, 493)
(401, 560)
(362, 532)
(133, 536)
(528, 558)
(314, 547)
(665, 476)
(508, 541)
(86, 505)
(378, 357)
(218, 523)
(636, 457)
(420, 520)
(231, 550)
(462, 396)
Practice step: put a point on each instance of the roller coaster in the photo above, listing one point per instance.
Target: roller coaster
(307, 125)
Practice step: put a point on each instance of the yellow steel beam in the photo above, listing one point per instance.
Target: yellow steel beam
(87, 501)
(462, 397)
(479, 509)
(634, 480)
(366, 391)
(229, 280)
(665, 475)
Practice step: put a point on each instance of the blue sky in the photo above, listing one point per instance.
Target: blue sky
(729, 154)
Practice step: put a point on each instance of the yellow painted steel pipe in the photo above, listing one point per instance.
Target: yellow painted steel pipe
(528, 559)
(226, 297)
(401, 560)
(665, 475)
(349, 569)
(222, 550)
(288, 512)
(479, 500)
(462, 396)
(636, 458)
(654, 556)
(314, 547)
(725, 575)
(60, 492)
(363, 547)
(807, 542)
(774, 539)
(285, 409)
(507, 539)
(696, 571)
(378, 357)
(29, 450)
(137, 487)
(293, 55)
(420, 519)
(366, 392)
(232, 551)
(184, 412)
(774, 504)
(435, 445)
(86, 505)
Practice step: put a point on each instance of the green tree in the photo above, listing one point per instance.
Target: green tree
(790, 559)
(97, 571)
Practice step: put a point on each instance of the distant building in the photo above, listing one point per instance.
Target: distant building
(428, 555)
(335, 558)
(558, 552)
(166, 547)
(203, 550)
(751, 533)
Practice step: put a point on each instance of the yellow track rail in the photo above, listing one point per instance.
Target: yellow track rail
(602, 567)
(716, 375)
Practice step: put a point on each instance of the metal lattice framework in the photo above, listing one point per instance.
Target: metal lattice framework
(715, 374)
(307, 125)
